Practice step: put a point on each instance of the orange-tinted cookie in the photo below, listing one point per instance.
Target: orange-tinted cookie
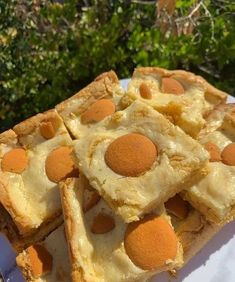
(15, 161)
(98, 111)
(145, 91)
(55, 121)
(59, 164)
(131, 154)
(150, 242)
(177, 206)
(102, 223)
(172, 86)
(40, 260)
(228, 154)
(47, 130)
(214, 151)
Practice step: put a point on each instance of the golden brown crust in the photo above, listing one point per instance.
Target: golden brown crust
(45, 229)
(187, 76)
(7, 226)
(69, 221)
(230, 107)
(23, 263)
(8, 137)
(215, 114)
(77, 275)
(231, 215)
(18, 242)
(111, 75)
(100, 88)
(229, 123)
(70, 227)
(212, 94)
(27, 126)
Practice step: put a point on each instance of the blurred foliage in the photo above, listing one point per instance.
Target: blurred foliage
(51, 49)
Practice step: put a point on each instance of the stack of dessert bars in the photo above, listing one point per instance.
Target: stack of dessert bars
(119, 185)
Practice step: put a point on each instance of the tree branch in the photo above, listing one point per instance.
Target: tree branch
(143, 2)
(207, 12)
(191, 14)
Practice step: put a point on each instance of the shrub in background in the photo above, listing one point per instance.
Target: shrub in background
(50, 49)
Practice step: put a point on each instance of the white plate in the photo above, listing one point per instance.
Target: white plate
(215, 262)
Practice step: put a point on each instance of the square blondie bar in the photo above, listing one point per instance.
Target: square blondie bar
(214, 196)
(182, 96)
(105, 248)
(137, 159)
(83, 111)
(34, 157)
